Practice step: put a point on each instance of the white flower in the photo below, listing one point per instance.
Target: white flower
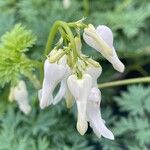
(66, 4)
(94, 115)
(101, 39)
(95, 72)
(20, 94)
(80, 89)
(53, 74)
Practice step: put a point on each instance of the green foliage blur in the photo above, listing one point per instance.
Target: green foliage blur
(126, 109)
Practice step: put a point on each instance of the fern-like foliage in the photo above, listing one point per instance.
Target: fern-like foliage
(38, 131)
(18, 39)
(134, 127)
(13, 61)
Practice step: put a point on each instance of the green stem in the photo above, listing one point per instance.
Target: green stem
(86, 7)
(124, 82)
(53, 32)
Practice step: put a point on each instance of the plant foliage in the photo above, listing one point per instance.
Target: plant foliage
(24, 28)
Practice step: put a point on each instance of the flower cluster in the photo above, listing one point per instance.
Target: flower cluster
(78, 74)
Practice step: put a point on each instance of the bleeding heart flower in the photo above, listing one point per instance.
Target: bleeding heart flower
(101, 39)
(53, 74)
(80, 89)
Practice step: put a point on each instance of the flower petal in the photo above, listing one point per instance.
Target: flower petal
(94, 115)
(61, 93)
(94, 72)
(107, 35)
(53, 74)
(93, 39)
(80, 88)
(21, 97)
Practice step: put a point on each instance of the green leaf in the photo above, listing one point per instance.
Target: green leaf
(18, 39)
(135, 100)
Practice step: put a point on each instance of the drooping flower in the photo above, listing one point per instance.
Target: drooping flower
(80, 89)
(53, 74)
(78, 74)
(94, 115)
(101, 39)
(19, 93)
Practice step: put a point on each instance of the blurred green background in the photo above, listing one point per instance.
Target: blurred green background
(126, 109)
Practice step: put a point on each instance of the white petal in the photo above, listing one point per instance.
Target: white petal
(53, 74)
(21, 96)
(94, 72)
(24, 106)
(80, 88)
(90, 41)
(106, 34)
(94, 115)
(61, 93)
(93, 39)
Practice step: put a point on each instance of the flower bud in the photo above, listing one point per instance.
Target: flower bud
(21, 96)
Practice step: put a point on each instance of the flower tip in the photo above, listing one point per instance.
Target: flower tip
(119, 67)
(44, 104)
(26, 109)
(108, 134)
(111, 137)
(82, 127)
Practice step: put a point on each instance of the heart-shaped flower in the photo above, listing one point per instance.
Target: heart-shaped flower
(101, 39)
(80, 89)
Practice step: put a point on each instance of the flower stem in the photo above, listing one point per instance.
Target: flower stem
(124, 82)
(86, 7)
(53, 32)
